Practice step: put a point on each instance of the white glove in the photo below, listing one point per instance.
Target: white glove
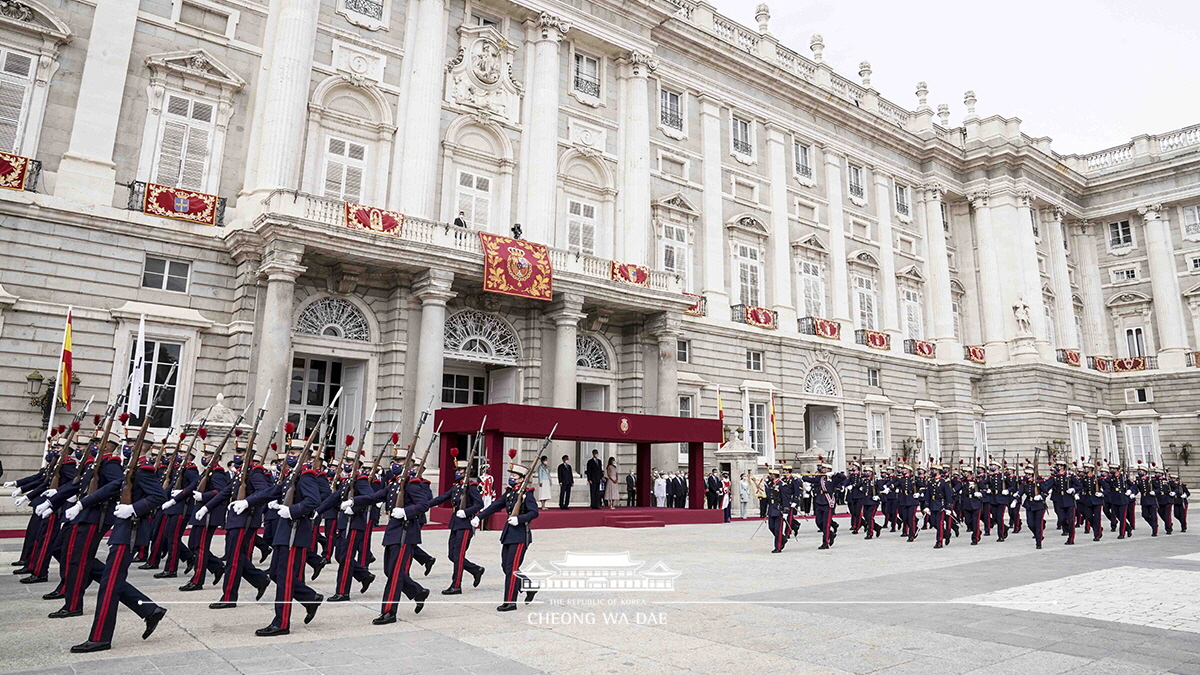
(925, 511)
(1013, 505)
(10, 484)
(74, 511)
(20, 500)
(887, 491)
(240, 505)
(1129, 493)
(348, 510)
(1038, 498)
(285, 512)
(1172, 494)
(978, 494)
(16, 493)
(1070, 491)
(176, 493)
(512, 520)
(273, 504)
(197, 496)
(398, 513)
(461, 514)
(167, 504)
(50, 492)
(42, 509)
(1004, 492)
(201, 512)
(876, 497)
(348, 504)
(475, 521)
(124, 511)
(1152, 492)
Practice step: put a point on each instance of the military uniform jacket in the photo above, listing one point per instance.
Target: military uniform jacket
(520, 533)
(854, 485)
(148, 494)
(1091, 491)
(789, 493)
(454, 496)
(908, 490)
(872, 490)
(258, 492)
(823, 487)
(996, 489)
(218, 480)
(191, 479)
(1032, 491)
(939, 494)
(303, 510)
(1143, 487)
(775, 506)
(971, 502)
(1065, 489)
(1116, 489)
(98, 504)
(1163, 488)
(331, 509)
(83, 475)
(416, 502)
(66, 484)
(362, 488)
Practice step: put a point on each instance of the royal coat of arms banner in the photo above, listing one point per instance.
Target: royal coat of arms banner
(516, 267)
(371, 219)
(976, 354)
(830, 330)
(760, 317)
(180, 204)
(14, 169)
(630, 273)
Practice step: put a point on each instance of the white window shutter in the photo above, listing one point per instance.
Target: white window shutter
(354, 181)
(334, 176)
(12, 112)
(195, 159)
(170, 153)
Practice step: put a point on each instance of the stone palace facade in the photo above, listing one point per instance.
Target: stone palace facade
(885, 281)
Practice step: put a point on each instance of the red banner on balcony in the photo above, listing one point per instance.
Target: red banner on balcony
(760, 317)
(976, 354)
(1129, 364)
(1071, 357)
(371, 219)
(877, 340)
(630, 273)
(825, 328)
(516, 267)
(1102, 364)
(697, 308)
(14, 169)
(924, 348)
(180, 204)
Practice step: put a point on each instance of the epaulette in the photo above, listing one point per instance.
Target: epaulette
(526, 489)
(310, 472)
(105, 458)
(218, 468)
(146, 467)
(190, 466)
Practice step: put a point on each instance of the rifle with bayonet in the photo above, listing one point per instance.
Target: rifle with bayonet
(140, 443)
(408, 454)
(55, 471)
(348, 486)
(472, 449)
(520, 501)
(202, 484)
(113, 415)
(248, 460)
(289, 495)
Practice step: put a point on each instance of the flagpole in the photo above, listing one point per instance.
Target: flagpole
(57, 381)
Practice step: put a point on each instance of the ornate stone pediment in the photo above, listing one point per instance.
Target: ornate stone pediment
(913, 273)
(28, 16)
(676, 202)
(863, 258)
(749, 224)
(480, 76)
(195, 64)
(1128, 298)
(811, 243)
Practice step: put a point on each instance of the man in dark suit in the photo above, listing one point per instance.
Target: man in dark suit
(712, 489)
(631, 488)
(595, 473)
(566, 478)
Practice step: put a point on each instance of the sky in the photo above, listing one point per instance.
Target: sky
(1090, 74)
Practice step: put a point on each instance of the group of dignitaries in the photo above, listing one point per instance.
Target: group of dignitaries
(161, 507)
(980, 500)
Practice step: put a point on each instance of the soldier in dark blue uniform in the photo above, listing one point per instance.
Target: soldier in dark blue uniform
(871, 489)
(1091, 502)
(824, 501)
(891, 497)
(1166, 499)
(776, 508)
(854, 495)
(522, 508)
(205, 523)
(996, 497)
(939, 495)
(908, 498)
(1181, 500)
(1147, 496)
(291, 539)
(789, 492)
(242, 521)
(461, 531)
(1032, 491)
(407, 500)
(351, 562)
(1064, 490)
(972, 503)
(20, 494)
(45, 508)
(147, 494)
(175, 512)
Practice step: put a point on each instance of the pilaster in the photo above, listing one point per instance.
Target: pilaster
(541, 134)
(1164, 283)
(780, 251)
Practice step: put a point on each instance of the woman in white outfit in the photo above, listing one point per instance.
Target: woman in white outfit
(543, 484)
(611, 492)
(660, 490)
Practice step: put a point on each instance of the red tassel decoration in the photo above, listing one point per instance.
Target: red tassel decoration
(182, 435)
(395, 438)
(453, 453)
(202, 432)
(96, 420)
(289, 428)
(237, 433)
(274, 446)
(349, 439)
(74, 426)
(512, 453)
(123, 417)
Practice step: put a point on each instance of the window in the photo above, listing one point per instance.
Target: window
(945, 217)
(902, 206)
(1119, 234)
(914, 323)
(165, 275)
(184, 143)
(587, 75)
(1194, 264)
(474, 198)
(741, 137)
(675, 250)
(16, 79)
(482, 20)
(462, 389)
(581, 227)
(1077, 314)
(864, 294)
(813, 285)
(956, 313)
(873, 377)
(1191, 221)
(981, 442)
(671, 109)
(1033, 222)
(907, 245)
(1135, 342)
(928, 428)
(803, 159)
(1051, 327)
(877, 432)
(683, 351)
(1108, 440)
(754, 360)
(1139, 395)
(1124, 274)
(855, 174)
(345, 166)
(1079, 439)
(749, 273)
(758, 427)
(685, 410)
(157, 358)
(1140, 445)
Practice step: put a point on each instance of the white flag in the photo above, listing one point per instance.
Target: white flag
(134, 403)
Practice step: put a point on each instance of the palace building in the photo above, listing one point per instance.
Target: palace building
(292, 194)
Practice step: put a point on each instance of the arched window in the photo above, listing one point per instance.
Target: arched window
(589, 353)
(334, 317)
(820, 381)
(349, 140)
(472, 335)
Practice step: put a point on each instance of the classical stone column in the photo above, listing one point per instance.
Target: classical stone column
(780, 254)
(432, 288)
(838, 285)
(940, 300)
(1164, 284)
(566, 313)
(889, 315)
(1096, 340)
(1064, 307)
(281, 111)
(541, 135)
(415, 168)
(716, 254)
(1025, 245)
(634, 229)
(280, 266)
(991, 303)
(87, 173)
(664, 329)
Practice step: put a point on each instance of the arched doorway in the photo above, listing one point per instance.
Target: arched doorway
(481, 351)
(822, 417)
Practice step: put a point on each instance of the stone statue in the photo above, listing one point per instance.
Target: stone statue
(1021, 311)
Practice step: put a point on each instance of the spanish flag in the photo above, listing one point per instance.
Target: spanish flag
(774, 430)
(65, 369)
(721, 414)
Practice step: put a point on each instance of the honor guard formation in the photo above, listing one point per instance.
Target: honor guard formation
(299, 506)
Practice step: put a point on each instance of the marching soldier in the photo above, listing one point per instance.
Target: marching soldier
(516, 537)
(1064, 487)
(824, 501)
(1181, 501)
(408, 498)
(908, 490)
(465, 507)
(241, 524)
(891, 509)
(996, 498)
(854, 496)
(776, 508)
(1147, 494)
(351, 562)
(1166, 499)
(1091, 501)
(973, 504)
(939, 495)
(789, 493)
(1014, 505)
(290, 540)
(206, 522)
(1032, 491)
(175, 513)
(871, 492)
(62, 474)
